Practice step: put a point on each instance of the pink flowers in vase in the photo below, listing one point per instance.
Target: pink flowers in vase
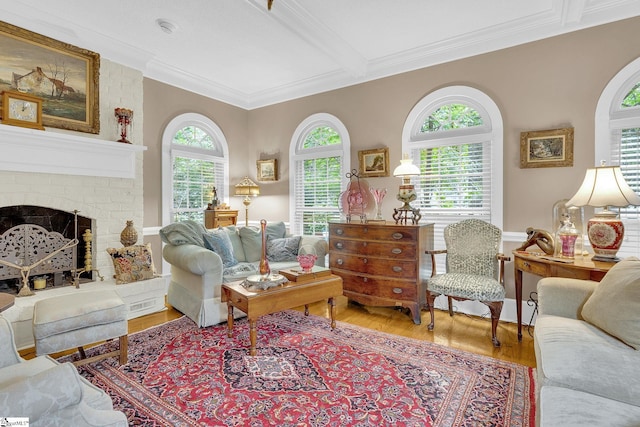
(378, 195)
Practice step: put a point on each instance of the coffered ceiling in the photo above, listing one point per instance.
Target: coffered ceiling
(239, 52)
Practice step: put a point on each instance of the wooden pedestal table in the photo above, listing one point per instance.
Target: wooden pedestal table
(283, 297)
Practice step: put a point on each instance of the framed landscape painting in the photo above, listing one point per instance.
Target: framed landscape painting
(374, 163)
(546, 148)
(65, 77)
(267, 170)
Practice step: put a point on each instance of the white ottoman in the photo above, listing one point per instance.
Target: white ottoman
(78, 319)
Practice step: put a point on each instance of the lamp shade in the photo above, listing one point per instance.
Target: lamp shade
(246, 187)
(406, 168)
(604, 186)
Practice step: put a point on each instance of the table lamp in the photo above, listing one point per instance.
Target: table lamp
(248, 189)
(406, 192)
(602, 187)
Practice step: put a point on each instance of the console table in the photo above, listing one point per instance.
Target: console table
(541, 264)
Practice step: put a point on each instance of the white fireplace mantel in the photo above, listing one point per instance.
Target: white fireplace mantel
(30, 150)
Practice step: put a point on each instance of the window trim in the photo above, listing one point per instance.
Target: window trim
(493, 130)
(177, 123)
(297, 153)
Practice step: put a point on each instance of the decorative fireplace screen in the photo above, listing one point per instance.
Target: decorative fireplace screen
(29, 249)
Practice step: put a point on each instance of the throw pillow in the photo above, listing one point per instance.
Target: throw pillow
(219, 242)
(285, 249)
(614, 305)
(276, 230)
(252, 239)
(132, 263)
(236, 243)
(251, 243)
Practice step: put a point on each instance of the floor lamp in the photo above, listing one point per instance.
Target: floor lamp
(247, 189)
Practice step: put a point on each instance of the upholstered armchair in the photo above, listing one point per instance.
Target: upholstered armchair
(49, 393)
(475, 269)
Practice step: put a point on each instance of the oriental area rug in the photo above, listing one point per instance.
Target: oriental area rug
(306, 374)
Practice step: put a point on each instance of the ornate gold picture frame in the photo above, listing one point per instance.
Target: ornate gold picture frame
(66, 77)
(267, 170)
(546, 148)
(374, 163)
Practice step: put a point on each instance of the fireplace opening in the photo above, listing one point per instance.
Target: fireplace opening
(69, 224)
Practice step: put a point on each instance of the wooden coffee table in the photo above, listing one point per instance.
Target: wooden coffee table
(283, 297)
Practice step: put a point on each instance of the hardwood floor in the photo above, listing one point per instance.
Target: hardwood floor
(469, 333)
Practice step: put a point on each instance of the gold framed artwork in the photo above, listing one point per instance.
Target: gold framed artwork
(374, 163)
(546, 148)
(267, 170)
(21, 109)
(66, 77)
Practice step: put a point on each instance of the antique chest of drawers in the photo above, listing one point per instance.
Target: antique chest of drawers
(382, 264)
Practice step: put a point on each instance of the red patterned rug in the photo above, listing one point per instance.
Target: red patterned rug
(305, 374)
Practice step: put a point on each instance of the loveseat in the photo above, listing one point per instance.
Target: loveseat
(49, 393)
(587, 345)
(202, 260)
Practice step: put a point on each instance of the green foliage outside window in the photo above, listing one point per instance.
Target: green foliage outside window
(321, 183)
(633, 97)
(451, 116)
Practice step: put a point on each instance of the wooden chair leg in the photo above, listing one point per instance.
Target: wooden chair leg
(450, 300)
(431, 299)
(83, 355)
(496, 308)
(124, 348)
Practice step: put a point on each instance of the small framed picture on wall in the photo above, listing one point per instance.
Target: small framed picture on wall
(267, 170)
(546, 148)
(374, 163)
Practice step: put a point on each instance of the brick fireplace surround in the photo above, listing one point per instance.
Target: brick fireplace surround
(102, 180)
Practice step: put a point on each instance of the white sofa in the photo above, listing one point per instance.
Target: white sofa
(49, 393)
(586, 341)
(197, 273)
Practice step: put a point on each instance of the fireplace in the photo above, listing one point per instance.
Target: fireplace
(31, 236)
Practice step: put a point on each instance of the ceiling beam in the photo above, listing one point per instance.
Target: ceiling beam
(296, 19)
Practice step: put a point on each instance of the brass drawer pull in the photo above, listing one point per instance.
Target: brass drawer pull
(364, 244)
(397, 290)
(365, 279)
(339, 231)
(365, 260)
(339, 261)
(339, 245)
(397, 269)
(397, 236)
(396, 251)
(526, 264)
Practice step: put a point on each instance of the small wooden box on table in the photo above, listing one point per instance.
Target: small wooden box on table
(278, 298)
(382, 264)
(214, 218)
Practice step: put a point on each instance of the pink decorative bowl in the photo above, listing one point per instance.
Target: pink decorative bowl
(307, 261)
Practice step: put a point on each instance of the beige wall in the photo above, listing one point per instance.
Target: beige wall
(541, 85)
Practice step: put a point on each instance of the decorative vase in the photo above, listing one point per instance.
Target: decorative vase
(129, 235)
(264, 264)
(378, 196)
(307, 262)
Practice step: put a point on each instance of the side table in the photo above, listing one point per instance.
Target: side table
(541, 264)
(6, 301)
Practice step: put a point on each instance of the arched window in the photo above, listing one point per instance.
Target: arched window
(195, 160)
(617, 142)
(454, 135)
(319, 161)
